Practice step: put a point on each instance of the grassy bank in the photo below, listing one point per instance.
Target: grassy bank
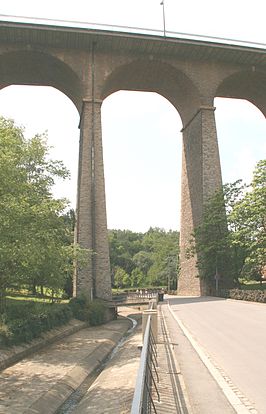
(27, 317)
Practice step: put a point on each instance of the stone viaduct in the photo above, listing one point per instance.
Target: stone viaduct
(88, 65)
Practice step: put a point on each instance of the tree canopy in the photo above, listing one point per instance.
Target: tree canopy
(231, 240)
(248, 224)
(34, 237)
(144, 259)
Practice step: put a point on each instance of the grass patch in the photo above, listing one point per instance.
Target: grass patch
(44, 295)
(39, 299)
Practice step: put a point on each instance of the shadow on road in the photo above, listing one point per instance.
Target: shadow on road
(183, 300)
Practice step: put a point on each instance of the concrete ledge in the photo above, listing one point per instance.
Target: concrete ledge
(51, 401)
(59, 393)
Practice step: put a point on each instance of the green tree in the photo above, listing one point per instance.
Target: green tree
(121, 278)
(165, 249)
(137, 278)
(231, 240)
(123, 245)
(69, 219)
(248, 219)
(148, 258)
(211, 242)
(32, 229)
(143, 261)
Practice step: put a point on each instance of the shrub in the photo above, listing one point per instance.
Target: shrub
(26, 321)
(5, 334)
(248, 295)
(78, 307)
(92, 312)
(96, 312)
(19, 309)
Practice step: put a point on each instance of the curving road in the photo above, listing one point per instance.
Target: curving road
(233, 334)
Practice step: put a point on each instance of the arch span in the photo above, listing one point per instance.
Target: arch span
(155, 76)
(248, 84)
(42, 69)
(201, 173)
(141, 130)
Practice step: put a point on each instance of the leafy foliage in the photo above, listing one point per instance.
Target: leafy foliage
(249, 220)
(35, 239)
(93, 312)
(230, 242)
(211, 240)
(24, 321)
(249, 295)
(144, 259)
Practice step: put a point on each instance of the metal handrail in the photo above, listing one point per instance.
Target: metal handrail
(143, 399)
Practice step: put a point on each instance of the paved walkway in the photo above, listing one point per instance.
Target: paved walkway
(41, 382)
(12, 355)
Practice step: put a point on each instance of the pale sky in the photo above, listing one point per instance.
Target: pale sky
(143, 186)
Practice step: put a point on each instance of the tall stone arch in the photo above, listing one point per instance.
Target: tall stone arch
(201, 172)
(246, 84)
(154, 75)
(31, 67)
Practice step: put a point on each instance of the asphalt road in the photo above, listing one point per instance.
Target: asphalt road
(233, 334)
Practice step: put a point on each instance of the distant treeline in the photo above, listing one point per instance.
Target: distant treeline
(144, 259)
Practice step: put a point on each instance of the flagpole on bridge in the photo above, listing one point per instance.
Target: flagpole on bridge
(162, 4)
